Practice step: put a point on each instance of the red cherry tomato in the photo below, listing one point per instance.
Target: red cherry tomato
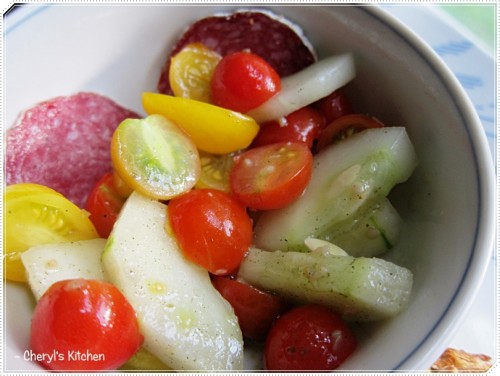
(345, 126)
(83, 324)
(256, 310)
(308, 338)
(212, 228)
(104, 205)
(335, 105)
(242, 81)
(271, 176)
(300, 126)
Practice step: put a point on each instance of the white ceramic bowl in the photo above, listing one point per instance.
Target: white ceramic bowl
(447, 205)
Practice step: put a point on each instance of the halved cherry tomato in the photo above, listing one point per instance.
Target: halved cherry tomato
(345, 126)
(215, 171)
(256, 310)
(155, 157)
(242, 81)
(308, 338)
(300, 126)
(34, 215)
(191, 72)
(84, 325)
(335, 105)
(213, 129)
(104, 204)
(212, 228)
(271, 176)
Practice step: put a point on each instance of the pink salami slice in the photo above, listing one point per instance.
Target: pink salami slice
(64, 143)
(275, 40)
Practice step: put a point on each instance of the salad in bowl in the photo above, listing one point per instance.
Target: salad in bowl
(251, 209)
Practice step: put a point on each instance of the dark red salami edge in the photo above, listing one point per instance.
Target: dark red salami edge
(64, 143)
(260, 33)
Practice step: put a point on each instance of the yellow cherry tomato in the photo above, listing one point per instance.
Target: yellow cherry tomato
(34, 215)
(215, 170)
(213, 129)
(155, 157)
(191, 72)
(121, 188)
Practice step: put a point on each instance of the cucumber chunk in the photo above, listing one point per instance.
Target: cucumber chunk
(143, 360)
(185, 322)
(348, 177)
(375, 231)
(49, 263)
(360, 289)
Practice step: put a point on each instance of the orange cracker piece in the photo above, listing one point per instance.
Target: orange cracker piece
(457, 361)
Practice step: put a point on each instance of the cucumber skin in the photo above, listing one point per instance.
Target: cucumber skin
(360, 289)
(347, 178)
(185, 322)
(375, 231)
(143, 360)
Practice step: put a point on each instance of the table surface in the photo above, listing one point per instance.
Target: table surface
(479, 20)
(464, 36)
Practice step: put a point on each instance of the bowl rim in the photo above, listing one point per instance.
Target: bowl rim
(469, 286)
(483, 244)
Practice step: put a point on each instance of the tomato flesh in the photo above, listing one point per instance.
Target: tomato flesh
(212, 228)
(155, 157)
(36, 215)
(104, 204)
(215, 171)
(256, 310)
(300, 126)
(345, 126)
(271, 176)
(242, 81)
(308, 338)
(335, 105)
(191, 72)
(85, 325)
